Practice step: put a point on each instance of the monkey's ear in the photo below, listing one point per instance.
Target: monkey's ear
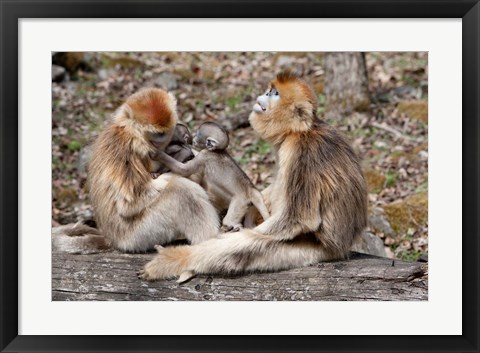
(211, 144)
(304, 111)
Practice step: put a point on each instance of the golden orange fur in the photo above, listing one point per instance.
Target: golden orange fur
(133, 211)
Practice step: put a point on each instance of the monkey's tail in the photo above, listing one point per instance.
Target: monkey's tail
(234, 253)
(259, 203)
(78, 239)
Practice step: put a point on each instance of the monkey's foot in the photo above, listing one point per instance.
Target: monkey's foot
(169, 263)
(155, 175)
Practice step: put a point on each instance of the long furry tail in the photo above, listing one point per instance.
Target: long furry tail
(78, 239)
(234, 253)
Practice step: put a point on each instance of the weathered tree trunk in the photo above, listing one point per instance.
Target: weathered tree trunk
(112, 276)
(346, 82)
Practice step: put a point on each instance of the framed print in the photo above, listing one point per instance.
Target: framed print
(68, 66)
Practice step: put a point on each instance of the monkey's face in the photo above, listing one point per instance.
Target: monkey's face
(288, 106)
(182, 134)
(159, 140)
(267, 101)
(150, 116)
(199, 140)
(211, 136)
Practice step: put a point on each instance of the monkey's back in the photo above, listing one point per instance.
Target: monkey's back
(225, 175)
(115, 173)
(328, 178)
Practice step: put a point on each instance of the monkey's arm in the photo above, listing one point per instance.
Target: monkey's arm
(282, 227)
(176, 167)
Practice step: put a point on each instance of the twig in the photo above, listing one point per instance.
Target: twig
(392, 131)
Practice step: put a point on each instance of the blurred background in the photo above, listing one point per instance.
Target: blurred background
(377, 99)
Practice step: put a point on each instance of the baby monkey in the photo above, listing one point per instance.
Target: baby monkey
(179, 148)
(225, 182)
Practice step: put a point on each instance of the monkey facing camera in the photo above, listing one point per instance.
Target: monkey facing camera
(227, 185)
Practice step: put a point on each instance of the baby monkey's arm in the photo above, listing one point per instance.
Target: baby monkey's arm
(175, 166)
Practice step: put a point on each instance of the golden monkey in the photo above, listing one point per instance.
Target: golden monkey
(179, 148)
(226, 183)
(318, 197)
(134, 211)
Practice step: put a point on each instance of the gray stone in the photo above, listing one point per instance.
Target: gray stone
(370, 244)
(58, 73)
(165, 80)
(379, 222)
(83, 158)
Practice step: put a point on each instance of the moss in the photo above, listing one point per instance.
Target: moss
(319, 85)
(112, 60)
(66, 196)
(410, 255)
(416, 109)
(375, 180)
(408, 213)
(69, 60)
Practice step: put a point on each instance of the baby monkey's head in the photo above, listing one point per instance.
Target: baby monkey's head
(211, 136)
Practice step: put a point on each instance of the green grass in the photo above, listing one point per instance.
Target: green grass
(390, 179)
(233, 102)
(74, 145)
(261, 148)
(410, 255)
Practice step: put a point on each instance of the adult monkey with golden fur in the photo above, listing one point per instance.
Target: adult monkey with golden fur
(134, 211)
(318, 198)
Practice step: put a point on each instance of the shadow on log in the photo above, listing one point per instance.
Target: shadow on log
(112, 276)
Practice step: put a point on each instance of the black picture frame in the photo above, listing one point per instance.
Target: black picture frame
(12, 11)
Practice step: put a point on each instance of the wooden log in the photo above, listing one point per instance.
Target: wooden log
(112, 276)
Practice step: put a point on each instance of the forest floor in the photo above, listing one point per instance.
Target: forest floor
(391, 137)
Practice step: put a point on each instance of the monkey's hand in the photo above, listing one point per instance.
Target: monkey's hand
(159, 156)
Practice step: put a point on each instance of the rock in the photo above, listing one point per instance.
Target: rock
(103, 74)
(284, 60)
(369, 243)
(379, 222)
(416, 109)
(58, 73)
(80, 213)
(411, 212)
(380, 144)
(165, 80)
(83, 159)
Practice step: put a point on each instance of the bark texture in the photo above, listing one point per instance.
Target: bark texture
(346, 82)
(112, 276)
